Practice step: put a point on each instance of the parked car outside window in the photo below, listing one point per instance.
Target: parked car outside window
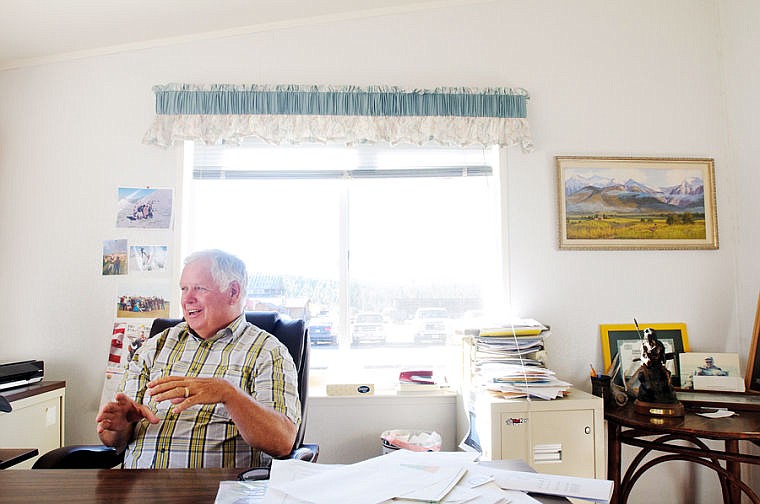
(321, 332)
(430, 325)
(368, 327)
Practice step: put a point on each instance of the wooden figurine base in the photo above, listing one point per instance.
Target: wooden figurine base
(675, 409)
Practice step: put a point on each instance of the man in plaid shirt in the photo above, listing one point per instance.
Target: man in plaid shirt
(212, 391)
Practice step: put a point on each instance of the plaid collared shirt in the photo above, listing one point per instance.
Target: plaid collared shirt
(204, 434)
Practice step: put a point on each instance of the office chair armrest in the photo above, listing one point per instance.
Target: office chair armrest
(305, 452)
(80, 457)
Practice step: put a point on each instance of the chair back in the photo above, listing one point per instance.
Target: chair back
(292, 333)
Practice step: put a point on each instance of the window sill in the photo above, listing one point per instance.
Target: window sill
(321, 392)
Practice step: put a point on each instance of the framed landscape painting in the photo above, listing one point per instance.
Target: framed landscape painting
(636, 203)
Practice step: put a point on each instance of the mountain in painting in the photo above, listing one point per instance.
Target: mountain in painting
(593, 195)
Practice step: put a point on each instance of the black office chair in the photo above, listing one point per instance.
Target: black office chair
(292, 333)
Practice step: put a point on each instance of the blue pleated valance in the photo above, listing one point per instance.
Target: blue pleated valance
(225, 113)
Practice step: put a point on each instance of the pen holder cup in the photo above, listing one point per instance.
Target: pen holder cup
(601, 387)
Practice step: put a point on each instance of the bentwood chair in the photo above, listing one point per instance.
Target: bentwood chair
(292, 333)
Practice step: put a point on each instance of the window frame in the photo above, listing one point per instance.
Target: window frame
(498, 158)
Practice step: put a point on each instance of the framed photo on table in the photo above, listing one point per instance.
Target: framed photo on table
(752, 377)
(692, 365)
(622, 343)
(636, 203)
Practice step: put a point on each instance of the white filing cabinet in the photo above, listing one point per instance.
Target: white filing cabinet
(562, 436)
(36, 420)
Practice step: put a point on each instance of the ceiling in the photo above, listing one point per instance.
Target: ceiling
(34, 32)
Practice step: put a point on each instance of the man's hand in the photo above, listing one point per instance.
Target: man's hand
(116, 420)
(260, 426)
(184, 392)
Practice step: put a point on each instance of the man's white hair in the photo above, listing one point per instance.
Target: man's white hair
(225, 269)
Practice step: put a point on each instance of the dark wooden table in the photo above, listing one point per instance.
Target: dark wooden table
(88, 486)
(625, 426)
(12, 456)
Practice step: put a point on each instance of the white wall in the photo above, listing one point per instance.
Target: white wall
(739, 43)
(740, 40)
(354, 434)
(606, 77)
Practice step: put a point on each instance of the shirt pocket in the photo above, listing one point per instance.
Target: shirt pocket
(238, 376)
(220, 414)
(177, 368)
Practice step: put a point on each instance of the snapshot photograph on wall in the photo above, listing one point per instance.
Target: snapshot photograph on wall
(148, 258)
(143, 300)
(636, 203)
(125, 339)
(144, 207)
(115, 257)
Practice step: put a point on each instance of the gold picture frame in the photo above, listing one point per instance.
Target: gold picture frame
(636, 203)
(622, 343)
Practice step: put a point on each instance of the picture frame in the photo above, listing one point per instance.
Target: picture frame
(636, 203)
(718, 364)
(623, 341)
(752, 376)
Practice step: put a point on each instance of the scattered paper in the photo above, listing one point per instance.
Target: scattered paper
(567, 486)
(241, 492)
(283, 471)
(406, 477)
(720, 413)
(375, 480)
(515, 497)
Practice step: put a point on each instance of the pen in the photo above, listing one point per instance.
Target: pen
(613, 365)
(593, 371)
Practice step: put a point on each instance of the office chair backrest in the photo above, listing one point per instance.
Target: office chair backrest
(292, 333)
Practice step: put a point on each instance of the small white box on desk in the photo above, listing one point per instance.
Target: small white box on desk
(350, 389)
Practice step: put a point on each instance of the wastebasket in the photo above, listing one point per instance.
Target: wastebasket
(414, 440)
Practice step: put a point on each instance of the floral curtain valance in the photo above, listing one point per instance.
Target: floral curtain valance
(223, 113)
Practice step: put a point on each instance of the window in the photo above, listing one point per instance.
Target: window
(386, 251)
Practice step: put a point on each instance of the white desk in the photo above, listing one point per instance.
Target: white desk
(36, 420)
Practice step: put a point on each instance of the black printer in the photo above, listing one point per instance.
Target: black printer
(17, 374)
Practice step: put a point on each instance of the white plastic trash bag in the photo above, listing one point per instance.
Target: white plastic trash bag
(413, 440)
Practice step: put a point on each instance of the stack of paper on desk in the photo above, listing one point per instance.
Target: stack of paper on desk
(405, 477)
(508, 346)
(510, 361)
(517, 381)
(417, 476)
(514, 327)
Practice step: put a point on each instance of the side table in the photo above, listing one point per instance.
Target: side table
(625, 426)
